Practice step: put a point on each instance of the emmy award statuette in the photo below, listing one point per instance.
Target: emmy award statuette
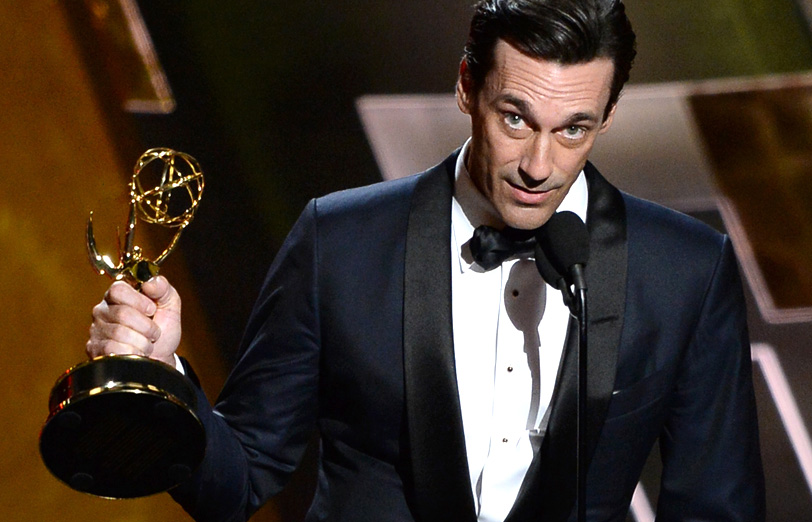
(124, 426)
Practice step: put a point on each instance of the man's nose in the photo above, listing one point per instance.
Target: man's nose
(536, 164)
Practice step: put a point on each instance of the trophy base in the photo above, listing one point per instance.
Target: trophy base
(122, 426)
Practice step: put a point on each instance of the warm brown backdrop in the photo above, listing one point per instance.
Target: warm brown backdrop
(59, 162)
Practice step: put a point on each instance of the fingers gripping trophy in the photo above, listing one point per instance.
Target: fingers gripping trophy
(124, 426)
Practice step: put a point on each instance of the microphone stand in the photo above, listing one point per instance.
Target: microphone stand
(581, 315)
(576, 302)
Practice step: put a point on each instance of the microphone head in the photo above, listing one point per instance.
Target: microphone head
(550, 275)
(564, 239)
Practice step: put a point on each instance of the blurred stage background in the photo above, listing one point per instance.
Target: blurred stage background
(284, 101)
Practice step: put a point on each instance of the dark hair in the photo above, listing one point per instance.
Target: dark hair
(565, 31)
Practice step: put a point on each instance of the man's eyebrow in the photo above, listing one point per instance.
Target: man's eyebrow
(519, 103)
(582, 117)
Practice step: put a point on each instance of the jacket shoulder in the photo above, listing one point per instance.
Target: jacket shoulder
(366, 200)
(392, 197)
(659, 226)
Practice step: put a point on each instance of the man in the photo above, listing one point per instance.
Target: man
(445, 391)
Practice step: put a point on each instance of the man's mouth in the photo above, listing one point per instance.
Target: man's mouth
(527, 196)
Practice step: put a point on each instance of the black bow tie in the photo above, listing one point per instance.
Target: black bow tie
(490, 247)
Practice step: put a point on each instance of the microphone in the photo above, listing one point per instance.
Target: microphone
(562, 251)
(552, 276)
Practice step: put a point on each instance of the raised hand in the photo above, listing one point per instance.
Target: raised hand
(145, 322)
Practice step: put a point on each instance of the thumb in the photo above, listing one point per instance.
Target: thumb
(162, 293)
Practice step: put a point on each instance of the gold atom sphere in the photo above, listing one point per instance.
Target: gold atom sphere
(168, 192)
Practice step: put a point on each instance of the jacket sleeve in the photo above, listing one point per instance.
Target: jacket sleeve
(263, 419)
(710, 446)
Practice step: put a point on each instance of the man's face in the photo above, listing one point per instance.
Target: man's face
(533, 125)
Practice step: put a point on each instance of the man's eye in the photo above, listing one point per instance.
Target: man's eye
(574, 132)
(514, 121)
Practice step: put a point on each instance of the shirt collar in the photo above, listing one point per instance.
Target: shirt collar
(470, 209)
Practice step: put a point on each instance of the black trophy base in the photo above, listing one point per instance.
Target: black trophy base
(122, 427)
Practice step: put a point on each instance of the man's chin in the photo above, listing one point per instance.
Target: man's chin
(526, 222)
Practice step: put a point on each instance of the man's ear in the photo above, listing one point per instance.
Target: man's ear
(465, 91)
(607, 122)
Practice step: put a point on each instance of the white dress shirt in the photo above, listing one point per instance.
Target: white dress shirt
(509, 334)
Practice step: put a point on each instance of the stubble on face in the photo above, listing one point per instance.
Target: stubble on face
(533, 125)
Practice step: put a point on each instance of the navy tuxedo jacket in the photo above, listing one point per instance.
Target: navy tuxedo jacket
(352, 334)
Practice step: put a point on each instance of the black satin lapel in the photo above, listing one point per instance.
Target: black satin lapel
(549, 488)
(606, 280)
(435, 440)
